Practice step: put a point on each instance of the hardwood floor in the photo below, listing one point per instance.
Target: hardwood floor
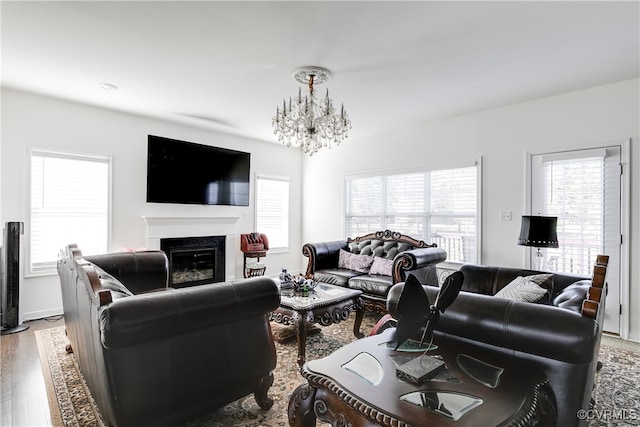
(23, 398)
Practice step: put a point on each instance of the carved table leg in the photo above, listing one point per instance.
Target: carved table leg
(358, 320)
(301, 335)
(300, 410)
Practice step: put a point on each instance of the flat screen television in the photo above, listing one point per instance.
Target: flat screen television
(188, 173)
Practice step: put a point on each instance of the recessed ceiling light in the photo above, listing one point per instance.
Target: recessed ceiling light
(108, 86)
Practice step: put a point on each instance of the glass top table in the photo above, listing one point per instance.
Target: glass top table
(325, 305)
(360, 382)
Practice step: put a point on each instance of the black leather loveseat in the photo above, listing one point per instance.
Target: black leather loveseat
(153, 355)
(559, 337)
(375, 262)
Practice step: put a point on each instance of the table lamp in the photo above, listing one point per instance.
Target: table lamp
(538, 232)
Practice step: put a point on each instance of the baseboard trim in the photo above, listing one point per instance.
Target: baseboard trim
(37, 315)
(615, 341)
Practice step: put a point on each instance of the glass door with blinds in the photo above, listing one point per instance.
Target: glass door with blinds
(583, 189)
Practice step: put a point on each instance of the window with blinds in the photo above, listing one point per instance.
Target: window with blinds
(574, 187)
(272, 210)
(439, 206)
(69, 203)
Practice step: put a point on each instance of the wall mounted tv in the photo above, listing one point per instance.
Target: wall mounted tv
(189, 173)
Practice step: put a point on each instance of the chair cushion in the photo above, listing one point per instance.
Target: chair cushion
(335, 276)
(372, 285)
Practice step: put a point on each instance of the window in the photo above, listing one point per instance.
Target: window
(272, 210)
(581, 188)
(437, 206)
(69, 204)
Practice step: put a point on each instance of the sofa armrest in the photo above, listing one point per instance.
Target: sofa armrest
(322, 255)
(147, 317)
(418, 262)
(139, 272)
(517, 326)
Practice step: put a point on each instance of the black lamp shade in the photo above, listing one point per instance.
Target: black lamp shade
(539, 231)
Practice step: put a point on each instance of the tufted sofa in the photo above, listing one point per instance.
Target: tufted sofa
(388, 258)
(153, 355)
(559, 336)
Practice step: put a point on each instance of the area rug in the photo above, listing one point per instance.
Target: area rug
(284, 333)
(617, 394)
(70, 401)
(72, 405)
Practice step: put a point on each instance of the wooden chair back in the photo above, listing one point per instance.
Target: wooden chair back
(597, 292)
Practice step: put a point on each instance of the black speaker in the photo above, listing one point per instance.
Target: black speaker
(11, 278)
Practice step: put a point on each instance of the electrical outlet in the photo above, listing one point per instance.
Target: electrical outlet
(505, 215)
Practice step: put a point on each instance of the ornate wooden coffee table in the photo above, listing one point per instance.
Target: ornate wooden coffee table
(325, 305)
(357, 385)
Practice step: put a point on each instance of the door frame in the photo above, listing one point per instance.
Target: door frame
(625, 216)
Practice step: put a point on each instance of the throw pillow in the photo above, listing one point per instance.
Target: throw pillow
(543, 280)
(361, 263)
(522, 289)
(381, 266)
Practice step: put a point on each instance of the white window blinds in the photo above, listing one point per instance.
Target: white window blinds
(575, 187)
(69, 204)
(272, 210)
(439, 206)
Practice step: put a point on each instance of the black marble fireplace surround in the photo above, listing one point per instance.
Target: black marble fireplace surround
(195, 260)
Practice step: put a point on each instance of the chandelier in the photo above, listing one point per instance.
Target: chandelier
(308, 122)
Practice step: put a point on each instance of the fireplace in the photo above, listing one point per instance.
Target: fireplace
(195, 260)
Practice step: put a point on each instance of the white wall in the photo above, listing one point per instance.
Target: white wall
(31, 121)
(501, 136)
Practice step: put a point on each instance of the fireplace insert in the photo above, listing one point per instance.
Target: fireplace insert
(195, 260)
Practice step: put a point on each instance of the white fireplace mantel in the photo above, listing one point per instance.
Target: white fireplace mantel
(162, 227)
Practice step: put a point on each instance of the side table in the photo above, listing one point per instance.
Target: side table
(253, 269)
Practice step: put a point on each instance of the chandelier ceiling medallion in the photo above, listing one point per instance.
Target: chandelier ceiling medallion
(308, 122)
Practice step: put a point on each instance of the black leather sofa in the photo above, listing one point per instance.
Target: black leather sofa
(404, 254)
(153, 355)
(559, 338)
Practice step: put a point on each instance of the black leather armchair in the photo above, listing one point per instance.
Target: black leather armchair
(153, 355)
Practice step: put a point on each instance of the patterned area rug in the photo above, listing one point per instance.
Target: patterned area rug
(70, 401)
(617, 389)
(72, 405)
(617, 394)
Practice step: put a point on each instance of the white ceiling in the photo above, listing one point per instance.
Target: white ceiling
(226, 65)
